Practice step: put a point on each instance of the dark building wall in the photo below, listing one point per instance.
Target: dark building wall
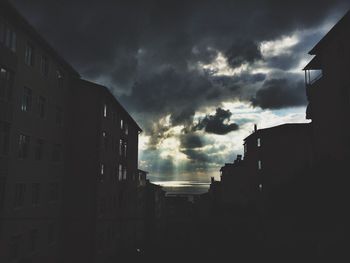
(329, 96)
(237, 186)
(102, 178)
(80, 182)
(32, 193)
(67, 116)
(284, 154)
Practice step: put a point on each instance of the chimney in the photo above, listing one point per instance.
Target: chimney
(239, 157)
(212, 180)
(255, 127)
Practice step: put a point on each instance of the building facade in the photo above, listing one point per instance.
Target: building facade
(328, 92)
(102, 158)
(34, 81)
(70, 188)
(276, 155)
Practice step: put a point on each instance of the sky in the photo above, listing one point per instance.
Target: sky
(195, 75)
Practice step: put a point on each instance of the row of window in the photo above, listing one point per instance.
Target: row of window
(42, 105)
(120, 145)
(18, 242)
(258, 144)
(123, 125)
(36, 193)
(30, 60)
(24, 143)
(119, 173)
(8, 37)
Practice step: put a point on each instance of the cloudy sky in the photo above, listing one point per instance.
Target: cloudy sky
(195, 75)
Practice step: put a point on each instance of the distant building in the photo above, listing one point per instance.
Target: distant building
(237, 185)
(327, 86)
(154, 215)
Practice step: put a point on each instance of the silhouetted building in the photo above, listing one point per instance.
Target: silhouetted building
(100, 195)
(237, 185)
(328, 92)
(34, 82)
(327, 87)
(276, 155)
(154, 215)
(70, 190)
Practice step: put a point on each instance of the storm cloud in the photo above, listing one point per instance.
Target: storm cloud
(280, 93)
(170, 60)
(217, 123)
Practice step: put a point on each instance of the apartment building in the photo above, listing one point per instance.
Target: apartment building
(70, 189)
(34, 81)
(327, 87)
(100, 194)
(274, 156)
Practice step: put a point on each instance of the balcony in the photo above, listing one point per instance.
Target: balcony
(313, 75)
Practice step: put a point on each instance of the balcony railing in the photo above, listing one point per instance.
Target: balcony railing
(311, 76)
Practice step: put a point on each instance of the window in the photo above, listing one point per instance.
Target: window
(105, 110)
(20, 189)
(44, 65)
(124, 173)
(29, 55)
(121, 124)
(258, 142)
(125, 149)
(2, 191)
(60, 79)
(54, 192)
(57, 153)
(33, 239)
(121, 147)
(6, 84)
(260, 187)
(59, 115)
(42, 107)
(26, 99)
(259, 165)
(23, 144)
(35, 194)
(51, 233)
(4, 138)
(126, 129)
(102, 172)
(120, 173)
(104, 140)
(8, 36)
(39, 149)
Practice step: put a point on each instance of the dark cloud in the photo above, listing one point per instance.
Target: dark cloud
(190, 141)
(243, 51)
(218, 123)
(280, 93)
(148, 53)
